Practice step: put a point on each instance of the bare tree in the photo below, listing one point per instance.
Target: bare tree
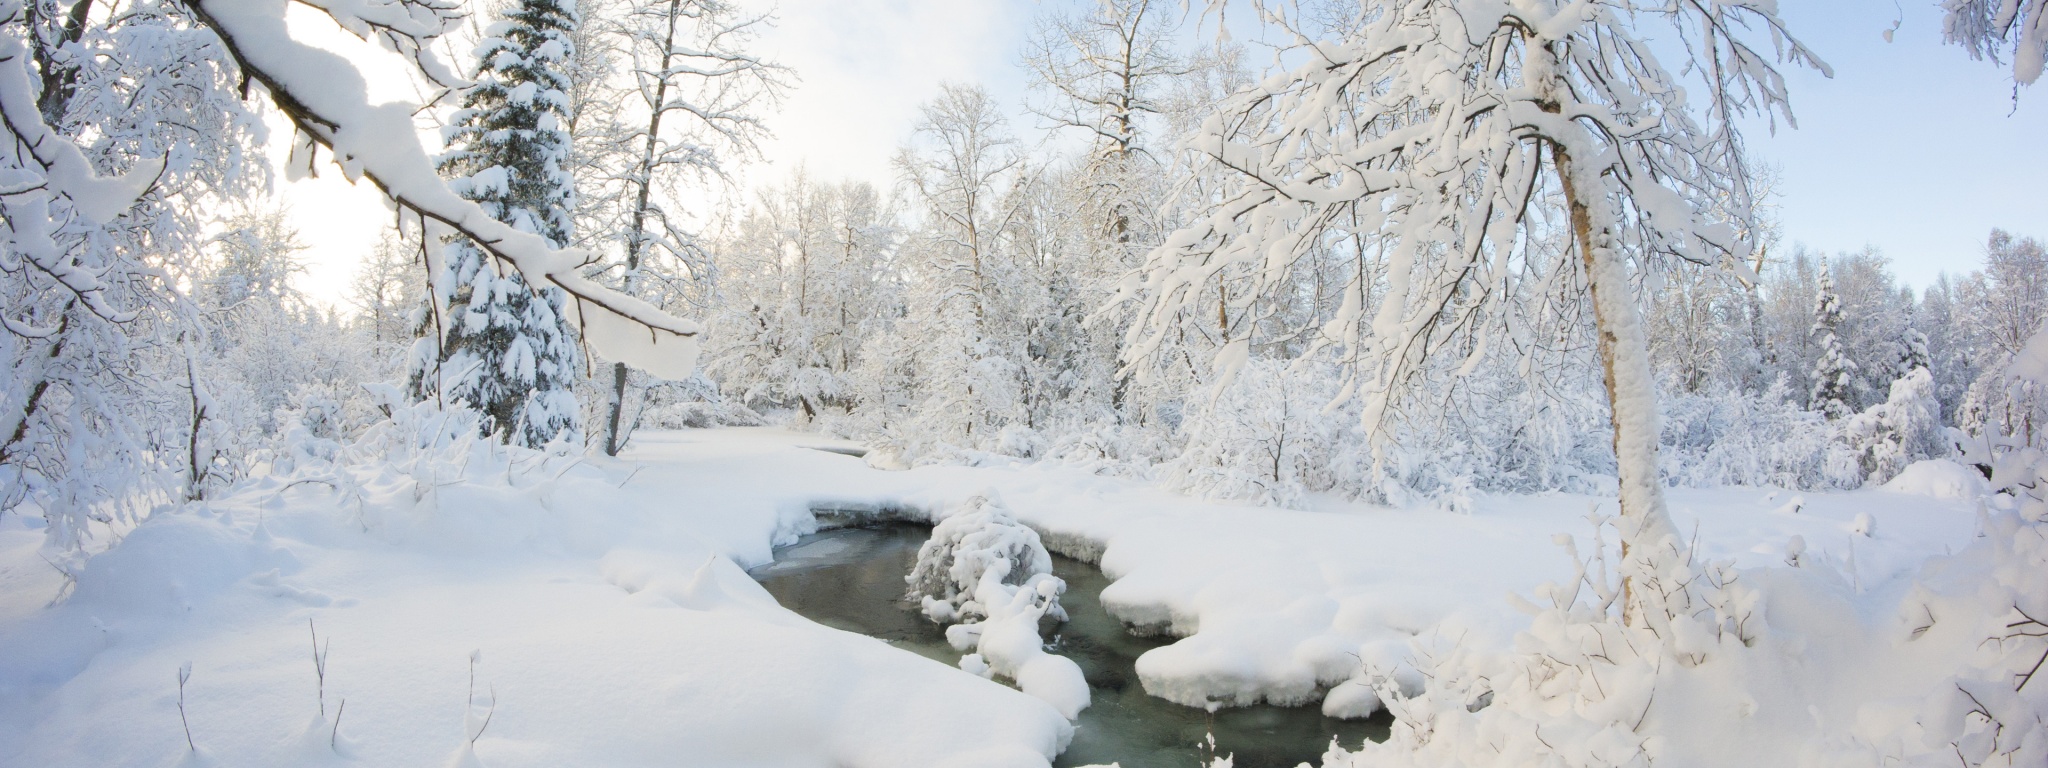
(702, 92)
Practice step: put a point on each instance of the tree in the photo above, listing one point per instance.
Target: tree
(386, 290)
(2013, 307)
(1442, 131)
(965, 172)
(701, 89)
(806, 287)
(1110, 73)
(494, 344)
(1834, 374)
(121, 133)
(324, 96)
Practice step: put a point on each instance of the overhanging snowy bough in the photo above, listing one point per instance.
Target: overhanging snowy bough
(327, 100)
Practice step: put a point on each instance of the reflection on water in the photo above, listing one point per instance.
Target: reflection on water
(852, 579)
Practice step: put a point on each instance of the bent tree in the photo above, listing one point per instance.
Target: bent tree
(1486, 164)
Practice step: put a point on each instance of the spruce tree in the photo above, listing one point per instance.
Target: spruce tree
(1834, 374)
(505, 349)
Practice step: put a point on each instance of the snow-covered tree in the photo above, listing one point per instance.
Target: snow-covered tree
(699, 96)
(2017, 297)
(122, 133)
(1110, 74)
(1834, 374)
(964, 172)
(1263, 438)
(324, 96)
(1905, 428)
(1440, 131)
(495, 344)
(805, 287)
(388, 290)
(263, 359)
(1700, 331)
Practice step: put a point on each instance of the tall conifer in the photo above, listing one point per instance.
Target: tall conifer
(504, 349)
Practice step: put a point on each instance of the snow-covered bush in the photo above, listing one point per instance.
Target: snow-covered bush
(968, 542)
(693, 403)
(1878, 443)
(1985, 604)
(1109, 448)
(1263, 438)
(1582, 685)
(990, 578)
(1744, 438)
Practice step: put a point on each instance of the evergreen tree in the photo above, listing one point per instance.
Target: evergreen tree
(505, 349)
(1834, 374)
(1914, 354)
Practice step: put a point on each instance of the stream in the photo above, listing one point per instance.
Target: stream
(852, 579)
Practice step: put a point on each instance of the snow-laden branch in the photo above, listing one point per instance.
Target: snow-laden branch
(1982, 27)
(48, 168)
(327, 100)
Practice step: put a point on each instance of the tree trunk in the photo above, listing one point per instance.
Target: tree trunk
(1625, 368)
(636, 239)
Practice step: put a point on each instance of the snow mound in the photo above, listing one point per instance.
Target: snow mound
(1008, 644)
(993, 576)
(1939, 478)
(966, 544)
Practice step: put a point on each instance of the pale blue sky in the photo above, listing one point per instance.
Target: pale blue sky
(1911, 147)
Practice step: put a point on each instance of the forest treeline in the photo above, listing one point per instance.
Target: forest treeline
(1004, 298)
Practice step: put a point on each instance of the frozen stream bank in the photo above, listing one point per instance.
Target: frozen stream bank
(852, 579)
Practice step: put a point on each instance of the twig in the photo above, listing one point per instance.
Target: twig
(184, 674)
(320, 668)
(336, 733)
(487, 718)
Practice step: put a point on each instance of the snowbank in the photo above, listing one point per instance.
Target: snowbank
(607, 600)
(1939, 478)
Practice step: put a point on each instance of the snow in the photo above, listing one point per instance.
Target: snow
(617, 625)
(1939, 478)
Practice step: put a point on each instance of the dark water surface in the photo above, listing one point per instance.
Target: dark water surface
(852, 579)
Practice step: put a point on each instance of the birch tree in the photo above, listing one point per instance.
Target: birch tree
(702, 92)
(965, 171)
(1440, 130)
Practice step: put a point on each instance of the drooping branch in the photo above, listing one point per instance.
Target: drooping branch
(325, 98)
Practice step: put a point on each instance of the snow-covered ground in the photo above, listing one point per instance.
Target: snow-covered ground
(616, 626)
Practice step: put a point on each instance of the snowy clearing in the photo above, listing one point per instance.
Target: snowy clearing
(616, 626)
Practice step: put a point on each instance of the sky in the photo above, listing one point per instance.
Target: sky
(1911, 147)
